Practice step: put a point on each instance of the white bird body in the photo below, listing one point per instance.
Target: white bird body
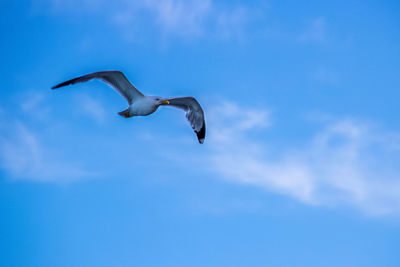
(143, 105)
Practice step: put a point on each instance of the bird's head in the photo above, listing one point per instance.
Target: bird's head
(160, 100)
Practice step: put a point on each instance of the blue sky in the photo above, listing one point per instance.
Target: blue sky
(300, 166)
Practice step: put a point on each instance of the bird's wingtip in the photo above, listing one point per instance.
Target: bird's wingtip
(58, 85)
(64, 84)
(201, 135)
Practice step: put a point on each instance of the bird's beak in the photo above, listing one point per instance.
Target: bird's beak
(165, 102)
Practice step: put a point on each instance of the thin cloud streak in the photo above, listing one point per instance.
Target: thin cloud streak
(170, 18)
(344, 163)
(187, 19)
(23, 156)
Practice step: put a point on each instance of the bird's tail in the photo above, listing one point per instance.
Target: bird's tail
(125, 113)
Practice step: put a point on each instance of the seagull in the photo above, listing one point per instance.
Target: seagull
(143, 105)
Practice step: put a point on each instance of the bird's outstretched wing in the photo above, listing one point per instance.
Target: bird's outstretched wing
(114, 78)
(194, 114)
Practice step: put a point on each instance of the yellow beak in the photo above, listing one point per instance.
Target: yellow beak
(165, 102)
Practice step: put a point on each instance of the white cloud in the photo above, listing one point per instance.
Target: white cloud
(345, 163)
(23, 156)
(239, 120)
(182, 18)
(192, 18)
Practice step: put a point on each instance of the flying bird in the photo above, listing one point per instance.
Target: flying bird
(143, 105)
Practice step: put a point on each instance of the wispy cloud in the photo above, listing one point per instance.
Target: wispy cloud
(23, 156)
(182, 17)
(188, 19)
(239, 120)
(345, 163)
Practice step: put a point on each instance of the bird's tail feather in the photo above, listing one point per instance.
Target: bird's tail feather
(125, 113)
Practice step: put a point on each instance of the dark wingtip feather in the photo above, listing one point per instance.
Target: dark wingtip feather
(59, 85)
(202, 133)
(72, 81)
